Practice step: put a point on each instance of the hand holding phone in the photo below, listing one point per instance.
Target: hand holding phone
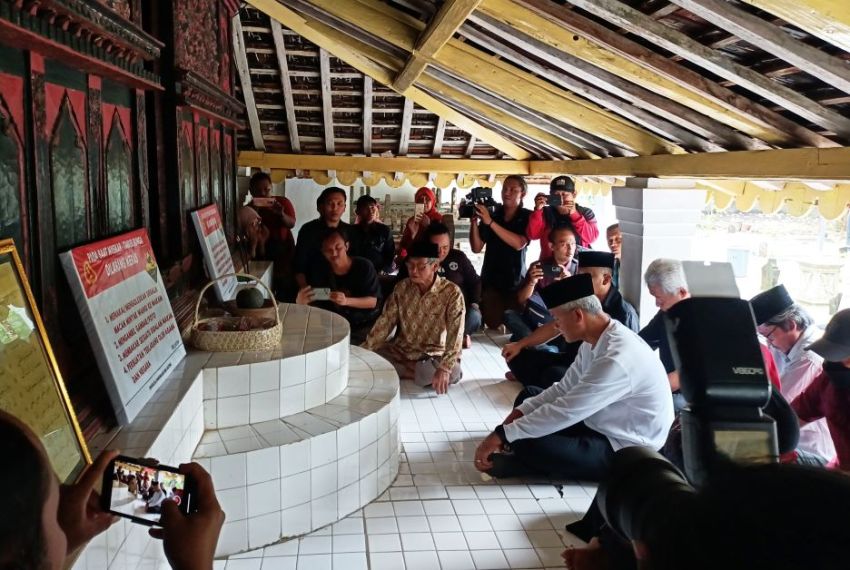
(138, 489)
(264, 202)
(418, 209)
(190, 541)
(321, 294)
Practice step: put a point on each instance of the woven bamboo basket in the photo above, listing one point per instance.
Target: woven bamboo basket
(264, 338)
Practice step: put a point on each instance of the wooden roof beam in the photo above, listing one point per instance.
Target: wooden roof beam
(675, 41)
(379, 164)
(571, 32)
(327, 105)
(787, 164)
(773, 40)
(367, 115)
(438, 137)
(241, 61)
(446, 21)
(354, 53)
(286, 85)
(470, 146)
(601, 96)
(379, 20)
(828, 20)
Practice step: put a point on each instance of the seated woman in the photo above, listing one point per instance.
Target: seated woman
(43, 528)
(355, 292)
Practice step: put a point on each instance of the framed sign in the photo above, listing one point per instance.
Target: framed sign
(31, 386)
(216, 251)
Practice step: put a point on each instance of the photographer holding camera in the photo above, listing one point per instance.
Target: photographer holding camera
(562, 211)
(502, 230)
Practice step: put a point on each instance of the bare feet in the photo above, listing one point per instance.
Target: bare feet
(590, 558)
(467, 341)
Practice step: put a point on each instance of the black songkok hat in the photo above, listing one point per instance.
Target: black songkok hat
(595, 259)
(562, 184)
(423, 249)
(567, 290)
(770, 303)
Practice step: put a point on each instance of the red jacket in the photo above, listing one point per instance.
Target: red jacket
(582, 221)
(824, 399)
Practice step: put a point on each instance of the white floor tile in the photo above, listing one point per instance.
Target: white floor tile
(381, 525)
(412, 524)
(489, 559)
(350, 561)
(386, 561)
(456, 560)
(417, 541)
(426, 560)
(450, 541)
(315, 562)
(384, 543)
(523, 558)
(481, 540)
(349, 543)
(280, 563)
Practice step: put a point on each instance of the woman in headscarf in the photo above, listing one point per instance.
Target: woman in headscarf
(415, 228)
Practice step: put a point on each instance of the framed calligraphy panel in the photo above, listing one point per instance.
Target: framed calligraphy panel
(31, 386)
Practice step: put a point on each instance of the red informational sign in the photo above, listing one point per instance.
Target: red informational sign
(126, 313)
(216, 251)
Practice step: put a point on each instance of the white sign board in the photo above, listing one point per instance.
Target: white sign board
(216, 252)
(127, 315)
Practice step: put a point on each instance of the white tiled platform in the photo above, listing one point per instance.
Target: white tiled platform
(440, 513)
(283, 463)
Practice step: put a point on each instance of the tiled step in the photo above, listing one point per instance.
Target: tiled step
(289, 476)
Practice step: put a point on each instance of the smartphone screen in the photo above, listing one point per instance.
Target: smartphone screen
(321, 294)
(137, 491)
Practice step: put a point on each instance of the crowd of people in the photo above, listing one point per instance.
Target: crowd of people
(593, 382)
(142, 490)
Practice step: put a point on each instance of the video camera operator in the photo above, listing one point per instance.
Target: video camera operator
(503, 234)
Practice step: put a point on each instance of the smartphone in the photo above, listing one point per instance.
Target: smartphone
(418, 209)
(552, 270)
(264, 202)
(136, 489)
(554, 200)
(321, 294)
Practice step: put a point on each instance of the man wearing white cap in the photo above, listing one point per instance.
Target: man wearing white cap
(614, 395)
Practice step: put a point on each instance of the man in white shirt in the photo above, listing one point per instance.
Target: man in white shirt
(158, 495)
(789, 331)
(614, 395)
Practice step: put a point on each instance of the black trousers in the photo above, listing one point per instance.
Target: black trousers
(576, 452)
(534, 367)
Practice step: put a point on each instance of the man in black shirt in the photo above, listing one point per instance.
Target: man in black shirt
(355, 292)
(331, 207)
(665, 280)
(504, 260)
(370, 238)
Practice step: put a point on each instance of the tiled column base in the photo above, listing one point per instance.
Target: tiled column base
(287, 477)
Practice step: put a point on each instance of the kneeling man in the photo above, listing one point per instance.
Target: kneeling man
(614, 395)
(427, 312)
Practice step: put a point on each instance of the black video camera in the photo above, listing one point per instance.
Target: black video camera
(478, 196)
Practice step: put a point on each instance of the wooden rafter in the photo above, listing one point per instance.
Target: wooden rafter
(470, 146)
(354, 53)
(515, 84)
(286, 85)
(622, 107)
(241, 61)
(406, 121)
(327, 100)
(438, 137)
(679, 43)
(676, 113)
(794, 164)
(828, 20)
(367, 115)
(569, 31)
(772, 39)
(380, 164)
(442, 27)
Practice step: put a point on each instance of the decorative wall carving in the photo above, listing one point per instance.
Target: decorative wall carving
(196, 38)
(119, 177)
(68, 175)
(13, 210)
(121, 7)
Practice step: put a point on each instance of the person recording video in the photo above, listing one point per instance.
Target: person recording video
(44, 524)
(501, 236)
(562, 210)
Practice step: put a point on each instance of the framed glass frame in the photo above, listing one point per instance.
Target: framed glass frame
(31, 386)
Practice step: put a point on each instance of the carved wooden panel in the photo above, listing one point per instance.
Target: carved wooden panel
(119, 177)
(229, 212)
(203, 153)
(121, 7)
(186, 159)
(68, 175)
(196, 36)
(13, 204)
(215, 168)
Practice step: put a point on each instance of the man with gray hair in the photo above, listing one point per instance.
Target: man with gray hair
(789, 331)
(614, 395)
(665, 279)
